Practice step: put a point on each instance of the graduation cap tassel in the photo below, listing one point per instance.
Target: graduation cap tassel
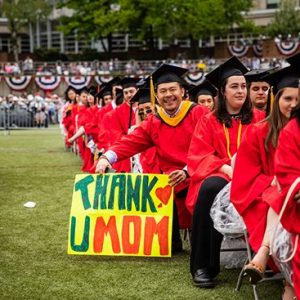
(271, 98)
(152, 93)
(270, 102)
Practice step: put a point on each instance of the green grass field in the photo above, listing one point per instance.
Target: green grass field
(34, 263)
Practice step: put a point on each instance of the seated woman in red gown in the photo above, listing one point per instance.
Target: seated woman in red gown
(254, 186)
(214, 142)
(287, 169)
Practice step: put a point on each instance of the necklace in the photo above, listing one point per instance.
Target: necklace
(227, 137)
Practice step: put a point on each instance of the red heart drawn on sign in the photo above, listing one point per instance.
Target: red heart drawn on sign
(163, 194)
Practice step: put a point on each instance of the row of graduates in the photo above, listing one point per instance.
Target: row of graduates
(195, 147)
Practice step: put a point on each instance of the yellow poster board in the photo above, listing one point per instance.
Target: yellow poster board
(121, 214)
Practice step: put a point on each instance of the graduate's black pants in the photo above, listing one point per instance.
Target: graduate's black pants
(206, 240)
(176, 239)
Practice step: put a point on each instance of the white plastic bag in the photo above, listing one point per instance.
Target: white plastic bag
(281, 249)
(224, 215)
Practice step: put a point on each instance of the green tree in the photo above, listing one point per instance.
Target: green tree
(146, 19)
(286, 20)
(20, 13)
(91, 19)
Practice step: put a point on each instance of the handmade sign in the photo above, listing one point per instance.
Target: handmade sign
(121, 214)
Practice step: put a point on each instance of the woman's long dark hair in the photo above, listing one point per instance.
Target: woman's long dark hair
(222, 114)
(67, 96)
(277, 122)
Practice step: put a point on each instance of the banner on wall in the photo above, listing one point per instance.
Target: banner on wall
(258, 49)
(121, 215)
(238, 50)
(195, 78)
(102, 79)
(48, 83)
(18, 83)
(78, 82)
(287, 48)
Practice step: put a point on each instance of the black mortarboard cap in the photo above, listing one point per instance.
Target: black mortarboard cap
(143, 83)
(258, 75)
(294, 60)
(128, 82)
(115, 81)
(286, 77)
(119, 96)
(84, 90)
(231, 67)
(105, 91)
(141, 96)
(168, 73)
(204, 88)
(92, 90)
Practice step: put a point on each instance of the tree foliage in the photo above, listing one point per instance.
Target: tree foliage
(167, 19)
(21, 12)
(286, 21)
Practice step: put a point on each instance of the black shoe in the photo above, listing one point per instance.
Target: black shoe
(202, 279)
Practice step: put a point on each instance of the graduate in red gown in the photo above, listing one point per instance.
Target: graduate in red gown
(107, 98)
(90, 130)
(254, 186)
(287, 169)
(213, 144)
(122, 118)
(258, 88)
(170, 131)
(204, 94)
(147, 161)
(70, 97)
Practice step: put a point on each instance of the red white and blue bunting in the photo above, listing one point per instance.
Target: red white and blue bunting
(18, 83)
(102, 79)
(78, 82)
(195, 78)
(48, 83)
(258, 49)
(238, 50)
(287, 48)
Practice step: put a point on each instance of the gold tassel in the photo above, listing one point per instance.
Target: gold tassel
(152, 93)
(271, 99)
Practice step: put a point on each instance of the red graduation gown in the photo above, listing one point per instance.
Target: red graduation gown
(172, 144)
(67, 122)
(208, 152)
(251, 182)
(90, 128)
(118, 127)
(287, 169)
(149, 161)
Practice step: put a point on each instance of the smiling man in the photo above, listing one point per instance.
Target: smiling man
(170, 131)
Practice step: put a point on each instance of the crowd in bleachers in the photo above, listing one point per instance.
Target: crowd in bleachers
(130, 67)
